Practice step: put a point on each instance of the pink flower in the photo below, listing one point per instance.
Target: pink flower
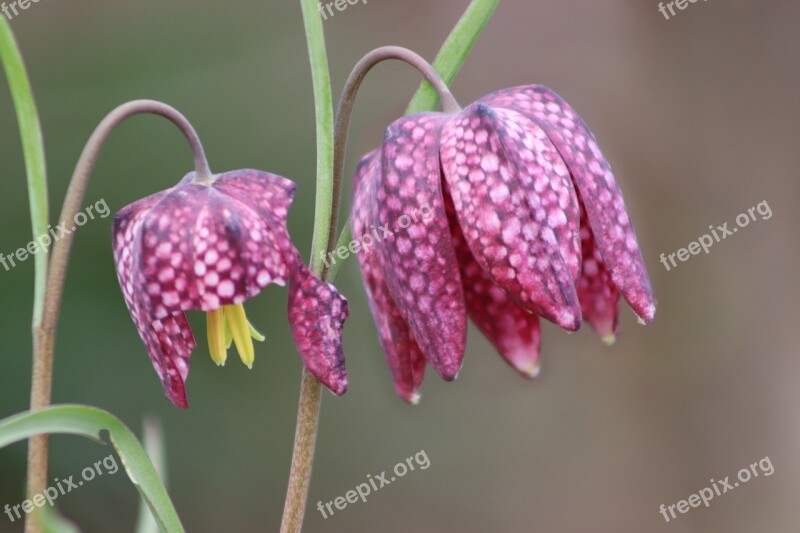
(528, 222)
(209, 245)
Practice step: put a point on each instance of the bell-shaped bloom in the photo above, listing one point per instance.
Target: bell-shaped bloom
(210, 245)
(527, 222)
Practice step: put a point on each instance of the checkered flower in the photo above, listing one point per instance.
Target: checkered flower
(528, 222)
(209, 245)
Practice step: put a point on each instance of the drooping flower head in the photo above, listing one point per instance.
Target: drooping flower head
(209, 245)
(528, 222)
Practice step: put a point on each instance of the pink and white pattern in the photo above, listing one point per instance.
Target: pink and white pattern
(199, 246)
(528, 223)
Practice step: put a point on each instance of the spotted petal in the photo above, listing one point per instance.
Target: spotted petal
(513, 331)
(403, 354)
(516, 209)
(418, 260)
(605, 208)
(598, 295)
(169, 340)
(202, 245)
(317, 311)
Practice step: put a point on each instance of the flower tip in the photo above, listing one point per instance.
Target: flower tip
(609, 339)
(338, 388)
(647, 314)
(531, 371)
(568, 320)
(414, 398)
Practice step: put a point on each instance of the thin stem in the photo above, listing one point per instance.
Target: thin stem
(44, 332)
(329, 186)
(345, 111)
(305, 438)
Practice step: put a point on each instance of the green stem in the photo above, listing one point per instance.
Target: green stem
(330, 165)
(310, 389)
(36, 172)
(454, 52)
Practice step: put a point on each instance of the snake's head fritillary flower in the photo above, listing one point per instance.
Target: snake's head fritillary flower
(527, 222)
(209, 245)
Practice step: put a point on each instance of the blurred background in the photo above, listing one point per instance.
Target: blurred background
(699, 117)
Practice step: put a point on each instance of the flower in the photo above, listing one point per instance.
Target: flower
(528, 222)
(209, 245)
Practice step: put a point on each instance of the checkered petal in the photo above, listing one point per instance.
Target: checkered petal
(516, 208)
(513, 331)
(598, 295)
(317, 311)
(169, 340)
(403, 354)
(596, 186)
(418, 262)
(199, 246)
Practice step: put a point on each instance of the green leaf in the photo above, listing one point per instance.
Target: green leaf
(54, 522)
(323, 106)
(33, 147)
(91, 422)
(454, 52)
(154, 445)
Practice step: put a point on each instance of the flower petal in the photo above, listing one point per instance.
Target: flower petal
(317, 313)
(612, 229)
(403, 355)
(169, 340)
(316, 309)
(510, 195)
(513, 331)
(598, 295)
(417, 256)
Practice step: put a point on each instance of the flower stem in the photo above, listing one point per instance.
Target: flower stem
(347, 101)
(305, 437)
(44, 332)
(329, 185)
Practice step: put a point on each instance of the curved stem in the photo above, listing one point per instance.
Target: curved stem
(44, 332)
(345, 111)
(330, 192)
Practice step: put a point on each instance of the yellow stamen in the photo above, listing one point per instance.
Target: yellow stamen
(254, 333)
(242, 332)
(228, 336)
(215, 323)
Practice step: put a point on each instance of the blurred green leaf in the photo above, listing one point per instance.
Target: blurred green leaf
(323, 105)
(55, 522)
(454, 52)
(33, 148)
(90, 422)
(154, 445)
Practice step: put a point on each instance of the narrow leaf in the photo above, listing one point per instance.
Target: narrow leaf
(454, 52)
(91, 422)
(33, 147)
